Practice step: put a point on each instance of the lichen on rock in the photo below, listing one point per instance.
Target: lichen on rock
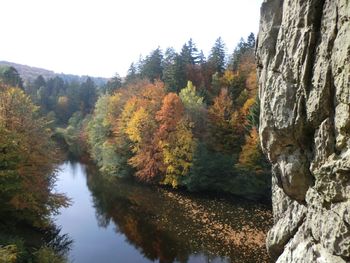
(303, 57)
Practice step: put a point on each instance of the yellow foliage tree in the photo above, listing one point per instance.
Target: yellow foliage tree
(137, 127)
(251, 154)
(178, 152)
(175, 138)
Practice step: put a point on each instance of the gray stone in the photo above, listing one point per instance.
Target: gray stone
(303, 57)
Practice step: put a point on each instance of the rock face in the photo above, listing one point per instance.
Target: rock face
(303, 54)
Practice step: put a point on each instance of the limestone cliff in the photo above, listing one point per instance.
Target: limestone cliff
(303, 55)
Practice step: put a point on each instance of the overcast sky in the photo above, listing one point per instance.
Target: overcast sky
(102, 37)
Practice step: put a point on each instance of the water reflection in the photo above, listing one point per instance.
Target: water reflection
(153, 224)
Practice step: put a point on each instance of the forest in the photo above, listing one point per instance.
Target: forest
(185, 121)
(178, 120)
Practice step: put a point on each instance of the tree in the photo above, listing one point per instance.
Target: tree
(169, 115)
(209, 171)
(180, 138)
(39, 82)
(189, 53)
(201, 58)
(251, 157)
(32, 87)
(243, 48)
(195, 109)
(151, 67)
(109, 150)
(10, 76)
(190, 99)
(175, 139)
(141, 130)
(146, 159)
(62, 108)
(87, 95)
(177, 151)
(132, 74)
(138, 127)
(174, 76)
(217, 56)
(113, 84)
(28, 161)
(223, 138)
(253, 115)
(241, 116)
(250, 150)
(251, 41)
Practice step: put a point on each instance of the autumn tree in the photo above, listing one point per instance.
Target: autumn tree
(251, 153)
(175, 139)
(141, 130)
(240, 119)
(223, 138)
(27, 162)
(203, 138)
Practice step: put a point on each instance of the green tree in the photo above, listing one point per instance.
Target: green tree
(174, 76)
(88, 95)
(132, 75)
(110, 153)
(151, 67)
(113, 84)
(209, 171)
(243, 48)
(195, 109)
(189, 53)
(10, 76)
(217, 57)
(190, 99)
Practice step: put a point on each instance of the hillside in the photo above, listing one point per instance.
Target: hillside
(29, 73)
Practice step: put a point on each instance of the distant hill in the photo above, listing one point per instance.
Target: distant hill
(29, 73)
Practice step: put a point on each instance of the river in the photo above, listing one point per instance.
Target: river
(114, 220)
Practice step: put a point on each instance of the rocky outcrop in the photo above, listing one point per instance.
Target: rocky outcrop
(303, 55)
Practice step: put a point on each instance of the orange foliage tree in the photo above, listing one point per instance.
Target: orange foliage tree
(141, 130)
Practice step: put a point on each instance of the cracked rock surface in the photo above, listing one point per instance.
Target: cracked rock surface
(303, 56)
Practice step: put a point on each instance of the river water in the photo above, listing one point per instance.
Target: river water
(114, 220)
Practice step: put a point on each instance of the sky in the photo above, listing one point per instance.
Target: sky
(102, 37)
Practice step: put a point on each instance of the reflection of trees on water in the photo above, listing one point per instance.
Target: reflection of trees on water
(60, 243)
(30, 239)
(168, 227)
